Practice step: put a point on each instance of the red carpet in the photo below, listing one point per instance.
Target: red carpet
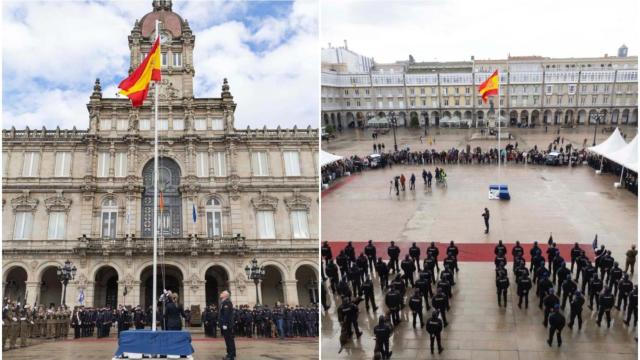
(340, 183)
(467, 252)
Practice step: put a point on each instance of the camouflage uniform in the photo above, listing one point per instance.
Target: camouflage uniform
(50, 323)
(24, 327)
(14, 328)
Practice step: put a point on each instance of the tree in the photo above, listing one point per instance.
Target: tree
(414, 123)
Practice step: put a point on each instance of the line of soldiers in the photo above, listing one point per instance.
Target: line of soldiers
(350, 277)
(26, 323)
(555, 285)
(87, 320)
(262, 321)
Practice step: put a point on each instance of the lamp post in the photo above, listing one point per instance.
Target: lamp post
(426, 122)
(256, 273)
(392, 115)
(595, 130)
(66, 273)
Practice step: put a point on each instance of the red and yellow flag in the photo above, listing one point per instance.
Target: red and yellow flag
(136, 86)
(161, 202)
(490, 86)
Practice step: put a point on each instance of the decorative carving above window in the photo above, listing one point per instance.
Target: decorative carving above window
(24, 203)
(297, 202)
(57, 203)
(264, 202)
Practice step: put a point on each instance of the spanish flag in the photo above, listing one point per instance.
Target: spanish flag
(490, 86)
(136, 86)
(161, 202)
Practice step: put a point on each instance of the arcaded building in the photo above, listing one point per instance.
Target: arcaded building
(87, 195)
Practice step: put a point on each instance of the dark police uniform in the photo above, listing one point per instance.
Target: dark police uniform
(434, 328)
(226, 327)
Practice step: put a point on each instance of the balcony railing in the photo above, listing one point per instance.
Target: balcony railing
(167, 245)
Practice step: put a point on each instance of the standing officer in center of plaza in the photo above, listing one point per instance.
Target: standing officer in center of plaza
(485, 215)
(394, 254)
(226, 325)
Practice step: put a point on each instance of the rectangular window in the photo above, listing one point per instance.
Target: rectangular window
(571, 89)
(145, 124)
(122, 125)
(31, 164)
(63, 164)
(421, 91)
(178, 124)
(22, 229)
(121, 164)
(514, 101)
(605, 99)
(444, 91)
(595, 88)
(163, 124)
(524, 100)
(570, 100)
(559, 99)
(446, 102)
(163, 56)
(594, 99)
(259, 163)
(300, 224)
(214, 223)
(467, 101)
(584, 88)
(401, 103)
(457, 91)
(433, 91)
(266, 225)
(217, 124)
(177, 59)
(379, 104)
(103, 164)
(535, 100)
(291, 163)
(583, 99)
(219, 164)
(202, 164)
(549, 89)
(457, 101)
(467, 90)
(200, 124)
(105, 124)
(57, 221)
(109, 224)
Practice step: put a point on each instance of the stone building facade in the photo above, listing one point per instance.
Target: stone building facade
(535, 91)
(87, 196)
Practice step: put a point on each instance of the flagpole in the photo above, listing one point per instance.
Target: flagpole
(499, 150)
(155, 197)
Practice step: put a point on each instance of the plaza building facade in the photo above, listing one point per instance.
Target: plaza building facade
(87, 196)
(535, 91)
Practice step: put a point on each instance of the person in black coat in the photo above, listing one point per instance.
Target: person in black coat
(408, 268)
(605, 303)
(440, 302)
(226, 324)
(173, 313)
(139, 318)
(576, 310)
(414, 252)
(502, 285)
(383, 333)
(452, 253)
(394, 254)
(415, 304)
(370, 252)
(393, 300)
(550, 301)
(575, 255)
(326, 251)
(383, 273)
(432, 251)
(626, 286)
(632, 309)
(556, 324)
(332, 272)
(434, 328)
(523, 287)
(569, 288)
(367, 291)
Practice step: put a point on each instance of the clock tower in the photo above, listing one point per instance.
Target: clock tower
(176, 45)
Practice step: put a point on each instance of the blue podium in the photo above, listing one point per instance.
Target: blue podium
(499, 192)
(161, 342)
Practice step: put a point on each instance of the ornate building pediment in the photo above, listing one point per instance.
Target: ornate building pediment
(57, 203)
(264, 202)
(297, 202)
(24, 203)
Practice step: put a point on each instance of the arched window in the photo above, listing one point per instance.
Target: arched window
(214, 218)
(109, 216)
(169, 185)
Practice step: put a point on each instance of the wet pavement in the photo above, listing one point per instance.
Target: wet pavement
(479, 329)
(205, 348)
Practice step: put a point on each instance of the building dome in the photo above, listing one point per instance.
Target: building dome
(171, 21)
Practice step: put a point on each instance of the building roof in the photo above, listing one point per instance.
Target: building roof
(162, 11)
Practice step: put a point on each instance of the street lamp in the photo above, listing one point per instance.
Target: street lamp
(256, 273)
(66, 273)
(426, 121)
(392, 115)
(595, 130)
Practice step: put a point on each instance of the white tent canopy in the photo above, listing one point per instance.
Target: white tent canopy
(627, 156)
(327, 158)
(378, 122)
(614, 143)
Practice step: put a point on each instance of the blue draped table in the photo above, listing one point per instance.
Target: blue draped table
(155, 342)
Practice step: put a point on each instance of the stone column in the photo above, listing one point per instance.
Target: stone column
(291, 292)
(33, 288)
(89, 292)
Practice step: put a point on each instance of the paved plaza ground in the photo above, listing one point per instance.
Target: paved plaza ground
(572, 203)
(205, 349)
(479, 329)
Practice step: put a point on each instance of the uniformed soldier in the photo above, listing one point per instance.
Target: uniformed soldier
(354, 277)
(348, 316)
(394, 254)
(383, 333)
(370, 252)
(440, 302)
(226, 325)
(383, 273)
(500, 250)
(51, 324)
(326, 252)
(414, 252)
(631, 259)
(350, 251)
(595, 286)
(606, 264)
(575, 255)
(576, 310)
(535, 253)
(408, 268)
(556, 324)
(605, 303)
(523, 287)
(332, 272)
(367, 291)
(415, 304)
(626, 286)
(562, 274)
(588, 271)
(434, 328)
(14, 325)
(343, 287)
(429, 265)
(393, 300)
(424, 285)
(615, 274)
(569, 287)
(517, 251)
(452, 252)
(5, 324)
(632, 309)
(544, 285)
(432, 251)
(502, 285)
(550, 301)
(343, 263)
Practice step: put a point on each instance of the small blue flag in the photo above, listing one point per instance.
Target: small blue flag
(81, 297)
(194, 215)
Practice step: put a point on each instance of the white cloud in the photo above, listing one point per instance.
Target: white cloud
(456, 29)
(54, 51)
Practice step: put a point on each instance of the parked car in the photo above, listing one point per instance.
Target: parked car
(552, 158)
(375, 160)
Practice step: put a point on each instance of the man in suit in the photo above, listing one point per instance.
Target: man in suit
(226, 325)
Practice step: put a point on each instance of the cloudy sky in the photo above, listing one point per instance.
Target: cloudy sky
(446, 30)
(54, 50)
